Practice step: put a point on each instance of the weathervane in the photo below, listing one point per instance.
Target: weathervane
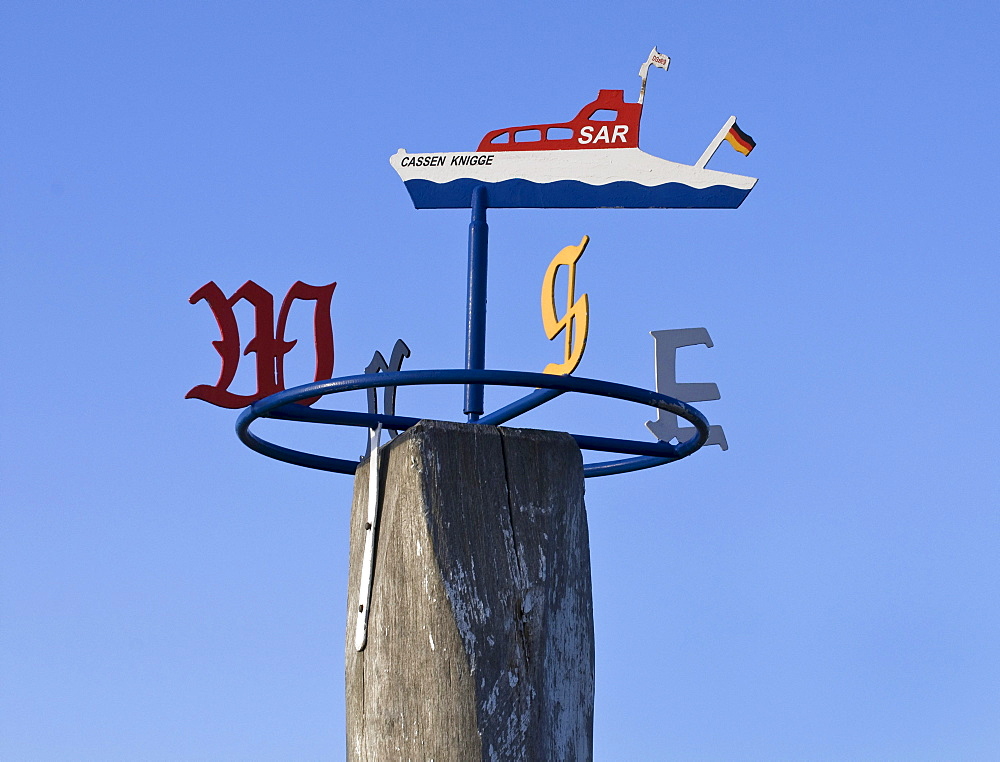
(485, 548)
(591, 161)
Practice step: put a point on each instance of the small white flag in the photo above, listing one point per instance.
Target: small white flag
(656, 59)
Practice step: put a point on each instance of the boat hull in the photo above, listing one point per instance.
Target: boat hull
(623, 178)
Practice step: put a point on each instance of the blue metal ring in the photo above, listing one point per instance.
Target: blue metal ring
(280, 406)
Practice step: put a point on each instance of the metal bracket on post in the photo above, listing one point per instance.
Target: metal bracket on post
(368, 562)
(475, 326)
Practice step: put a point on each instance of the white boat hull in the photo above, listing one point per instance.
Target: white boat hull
(613, 177)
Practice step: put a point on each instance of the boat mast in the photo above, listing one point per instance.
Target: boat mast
(716, 142)
(655, 59)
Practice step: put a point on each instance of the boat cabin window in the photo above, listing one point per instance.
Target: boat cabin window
(603, 115)
(559, 133)
(527, 136)
(503, 137)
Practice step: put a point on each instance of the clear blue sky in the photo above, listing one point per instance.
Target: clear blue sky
(825, 590)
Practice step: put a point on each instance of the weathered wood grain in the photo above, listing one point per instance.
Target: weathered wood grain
(480, 640)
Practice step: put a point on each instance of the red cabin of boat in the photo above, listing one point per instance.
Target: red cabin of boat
(608, 122)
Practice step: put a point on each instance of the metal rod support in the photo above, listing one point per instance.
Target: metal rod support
(651, 453)
(517, 407)
(475, 327)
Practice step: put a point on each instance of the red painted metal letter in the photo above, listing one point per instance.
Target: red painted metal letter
(268, 345)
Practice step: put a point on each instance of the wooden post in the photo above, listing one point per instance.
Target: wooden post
(481, 629)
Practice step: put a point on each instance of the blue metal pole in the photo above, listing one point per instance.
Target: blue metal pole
(475, 327)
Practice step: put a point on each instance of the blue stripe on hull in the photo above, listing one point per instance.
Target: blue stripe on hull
(573, 194)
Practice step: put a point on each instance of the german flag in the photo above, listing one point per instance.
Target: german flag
(740, 140)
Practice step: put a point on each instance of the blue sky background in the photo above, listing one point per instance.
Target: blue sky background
(826, 590)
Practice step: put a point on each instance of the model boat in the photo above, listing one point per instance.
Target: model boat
(593, 160)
